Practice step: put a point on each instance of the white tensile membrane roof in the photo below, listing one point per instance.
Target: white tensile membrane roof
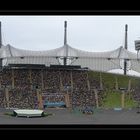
(100, 61)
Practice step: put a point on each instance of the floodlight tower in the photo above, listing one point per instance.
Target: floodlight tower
(125, 46)
(137, 47)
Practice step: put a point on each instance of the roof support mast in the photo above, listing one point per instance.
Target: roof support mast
(125, 46)
(0, 45)
(65, 42)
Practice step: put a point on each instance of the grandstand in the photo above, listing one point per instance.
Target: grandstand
(64, 77)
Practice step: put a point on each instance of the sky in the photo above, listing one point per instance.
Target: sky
(89, 33)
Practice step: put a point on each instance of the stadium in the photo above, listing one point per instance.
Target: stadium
(70, 83)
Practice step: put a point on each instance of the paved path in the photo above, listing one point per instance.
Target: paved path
(64, 116)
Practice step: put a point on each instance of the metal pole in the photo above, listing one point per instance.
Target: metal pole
(125, 67)
(0, 45)
(65, 42)
(137, 54)
(65, 32)
(125, 46)
(126, 29)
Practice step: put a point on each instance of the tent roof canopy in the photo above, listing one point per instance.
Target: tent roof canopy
(119, 53)
(100, 61)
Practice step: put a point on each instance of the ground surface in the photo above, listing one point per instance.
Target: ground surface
(64, 116)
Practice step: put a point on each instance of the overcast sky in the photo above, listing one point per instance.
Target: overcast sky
(91, 33)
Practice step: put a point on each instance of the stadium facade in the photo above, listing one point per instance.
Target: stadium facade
(43, 85)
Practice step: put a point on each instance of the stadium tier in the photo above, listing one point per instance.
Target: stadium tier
(31, 88)
(22, 88)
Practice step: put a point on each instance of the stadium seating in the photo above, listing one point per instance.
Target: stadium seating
(22, 86)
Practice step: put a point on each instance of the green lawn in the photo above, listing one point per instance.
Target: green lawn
(113, 100)
(129, 102)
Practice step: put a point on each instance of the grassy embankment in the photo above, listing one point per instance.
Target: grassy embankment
(112, 96)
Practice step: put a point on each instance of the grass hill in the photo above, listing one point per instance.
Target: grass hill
(112, 83)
